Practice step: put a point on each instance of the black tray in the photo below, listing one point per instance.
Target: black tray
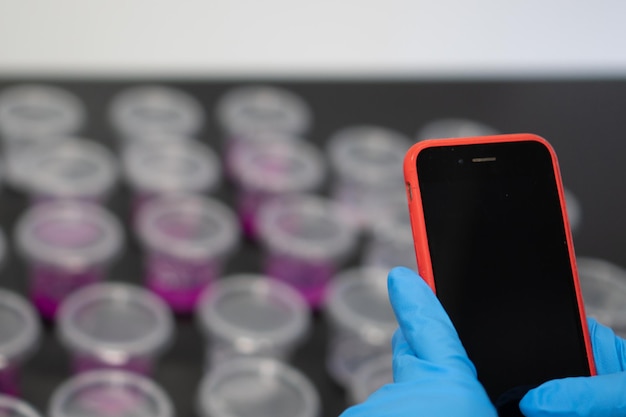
(582, 119)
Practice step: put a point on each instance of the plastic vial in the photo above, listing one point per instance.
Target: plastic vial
(75, 169)
(19, 336)
(361, 321)
(13, 407)
(271, 169)
(603, 285)
(259, 387)
(306, 238)
(68, 245)
(390, 243)
(367, 163)
(114, 325)
(250, 315)
(176, 167)
(3, 247)
(574, 210)
(33, 114)
(454, 128)
(247, 111)
(186, 239)
(108, 393)
(369, 377)
(137, 113)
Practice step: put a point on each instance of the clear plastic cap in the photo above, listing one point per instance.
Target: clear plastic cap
(391, 240)
(19, 327)
(603, 286)
(184, 166)
(110, 393)
(73, 168)
(369, 377)
(254, 387)
(156, 139)
(13, 407)
(368, 155)
(3, 247)
(357, 300)
(115, 320)
(574, 210)
(308, 227)
(254, 312)
(279, 166)
(142, 111)
(41, 113)
(454, 128)
(69, 234)
(189, 227)
(247, 110)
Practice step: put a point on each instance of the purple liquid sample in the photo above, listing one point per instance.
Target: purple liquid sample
(248, 206)
(179, 282)
(50, 285)
(309, 278)
(113, 401)
(140, 199)
(139, 365)
(10, 380)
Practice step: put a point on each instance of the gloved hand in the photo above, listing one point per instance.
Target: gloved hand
(603, 395)
(433, 376)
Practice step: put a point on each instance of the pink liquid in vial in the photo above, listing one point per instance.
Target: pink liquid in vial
(248, 206)
(113, 401)
(50, 285)
(138, 365)
(310, 278)
(10, 380)
(140, 199)
(179, 282)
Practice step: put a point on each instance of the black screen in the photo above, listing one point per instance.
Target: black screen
(501, 263)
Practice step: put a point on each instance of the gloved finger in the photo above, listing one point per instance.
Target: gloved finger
(583, 396)
(609, 350)
(406, 366)
(424, 323)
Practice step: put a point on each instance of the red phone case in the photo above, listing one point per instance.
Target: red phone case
(417, 214)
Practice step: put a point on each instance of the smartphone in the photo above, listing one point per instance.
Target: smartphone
(492, 240)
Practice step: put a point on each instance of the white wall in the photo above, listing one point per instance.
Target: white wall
(323, 37)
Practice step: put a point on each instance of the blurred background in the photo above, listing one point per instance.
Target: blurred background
(406, 38)
(111, 111)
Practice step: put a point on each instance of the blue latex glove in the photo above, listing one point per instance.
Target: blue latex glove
(603, 395)
(432, 373)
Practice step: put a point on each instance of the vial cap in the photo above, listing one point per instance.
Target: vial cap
(115, 319)
(108, 393)
(19, 327)
(368, 155)
(262, 108)
(358, 301)
(69, 234)
(40, 113)
(249, 387)
(308, 227)
(188, 227)
(14, 407)
(254, 312)
(184, 166)
(73, 168)
(142, 111)
(454, 128)
(279, 166)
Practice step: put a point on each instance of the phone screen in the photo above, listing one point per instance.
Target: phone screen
(501, 263)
